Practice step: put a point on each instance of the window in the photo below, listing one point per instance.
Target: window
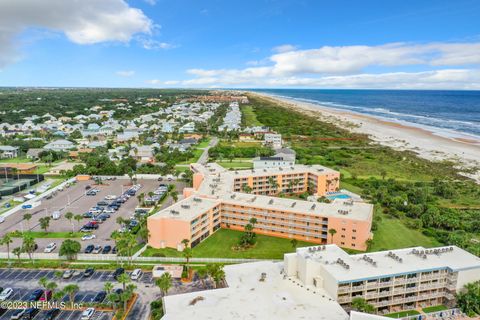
(343, 229)
(353, 244)
(354, 238)
(354, 230)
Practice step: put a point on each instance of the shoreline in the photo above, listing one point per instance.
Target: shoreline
(426, 144)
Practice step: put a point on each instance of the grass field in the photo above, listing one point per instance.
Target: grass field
(196, 154)
(434, 309)
(204, 143)
(43, 234)
(219, 245)
(16, 160)
(249, 118)
(402, 314)
(393, 234)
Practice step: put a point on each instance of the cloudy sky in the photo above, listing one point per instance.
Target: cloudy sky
(397, 44)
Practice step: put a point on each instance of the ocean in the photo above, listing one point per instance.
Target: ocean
(446, 113)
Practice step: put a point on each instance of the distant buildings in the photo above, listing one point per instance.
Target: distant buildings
(273, 140)
(60, 145)
(232, 119)
(7, 152)
(284, 157)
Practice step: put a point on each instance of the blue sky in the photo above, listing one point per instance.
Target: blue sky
(248, 43)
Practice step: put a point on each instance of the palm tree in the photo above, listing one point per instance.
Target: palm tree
(69, 217)
(187, 254)
(332, 233)
(164, 283)
(202, 274)
(51, 286)
(78, 218)
(28, 245)
(43, 281)
(7, 240)
(108, 287)
(174, 195)
(185, 242)
(27, 217)
(44, 223)
(71, 290)
(17, 252)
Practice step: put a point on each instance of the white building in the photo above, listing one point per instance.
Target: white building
(187, 128)
(273, 139)
(60, 145)
(284, 157)
(391, 281)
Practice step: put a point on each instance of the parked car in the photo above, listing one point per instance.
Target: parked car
(30, 313)
(6, 293)
(109, 209)
(102, 203)
(106, 249)
(35, 295)
(87, 314)
(51, 314)
(114, 250)
(18, 314)
(50, 247)
(67, 274)
(88, 215)
(91, 193)
(97, 249)
(46, 295)
(88, 237)
(88, 187)
(89, 248)
(118, 272)
(99, 297)
(111, 197)
(89, 272)
(136, 274)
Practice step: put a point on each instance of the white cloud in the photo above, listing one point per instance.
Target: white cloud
(151, 2)
(153, 81)
(284, 48)
(346, 67)
(151, 44)
(82, 22)
(125, 73)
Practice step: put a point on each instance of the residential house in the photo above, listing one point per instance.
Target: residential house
(8, 152)
(60, 145)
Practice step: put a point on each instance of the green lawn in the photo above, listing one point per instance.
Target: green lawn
(16, 160)
(393, 234)
(249, 118)
(43, 234)
(434, 309)
(219, 245)
(204, 143)
(402, 314)
(196, 154)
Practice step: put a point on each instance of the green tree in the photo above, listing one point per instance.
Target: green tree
(174, 195)
(469, 299)
(70, 249)
(360, 305)
(69, 217)
(332, 233)
(6, 241)
(108, 287)
(27, 217)
(71, 290)
(202, 273)
(164, 283)
(294, 243)
(44, 223)
(28, 245)
(78, 218)
(17, 252)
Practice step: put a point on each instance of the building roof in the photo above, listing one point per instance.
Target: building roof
(246, 297)
(383, 264)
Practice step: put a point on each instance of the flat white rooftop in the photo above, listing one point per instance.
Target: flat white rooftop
(186, 209)
(383, 264)
(248, 298)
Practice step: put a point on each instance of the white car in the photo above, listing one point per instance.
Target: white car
(97, 249)
(108, 210)
(87, 314)
(7, 293)
(2, 219)
(136, 274)
(110, 197)
(88, 237)
(50, 247)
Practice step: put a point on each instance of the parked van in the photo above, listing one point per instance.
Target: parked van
(136, 274)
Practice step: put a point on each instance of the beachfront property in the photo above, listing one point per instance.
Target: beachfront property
(319, 283)
(391, 281)
(229, 199)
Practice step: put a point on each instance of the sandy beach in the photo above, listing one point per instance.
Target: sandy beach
(463, 150)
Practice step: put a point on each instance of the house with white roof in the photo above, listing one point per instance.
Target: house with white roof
(60, 145)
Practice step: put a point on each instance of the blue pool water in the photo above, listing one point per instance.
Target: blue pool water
(338, 196)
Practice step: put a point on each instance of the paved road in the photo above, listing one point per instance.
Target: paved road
(204, 157)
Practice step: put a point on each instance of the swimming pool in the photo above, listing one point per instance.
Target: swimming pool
(338, 196)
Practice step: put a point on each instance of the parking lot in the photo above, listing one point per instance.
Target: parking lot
(23, 282)
(74, 199)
